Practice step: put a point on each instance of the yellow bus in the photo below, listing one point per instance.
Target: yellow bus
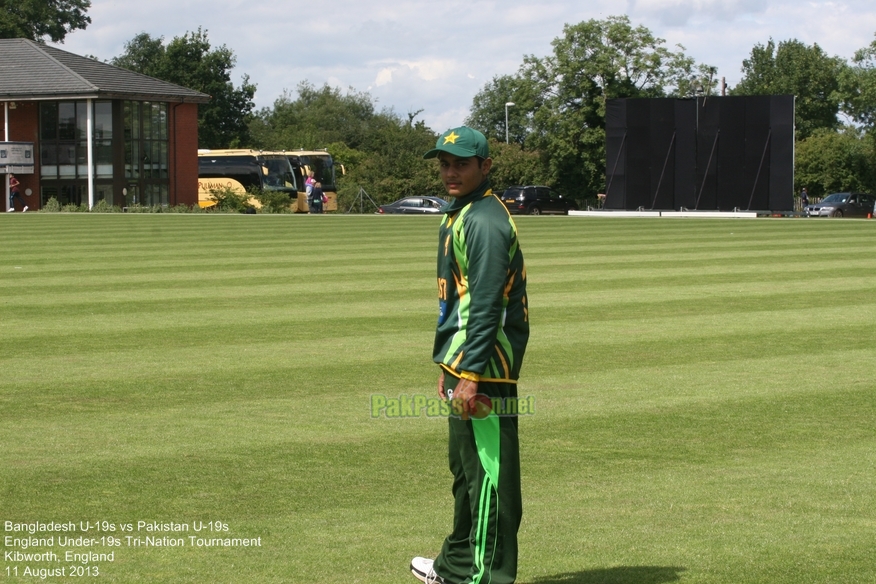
(242, 169)
(284, 170)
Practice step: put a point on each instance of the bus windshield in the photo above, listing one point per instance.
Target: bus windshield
(277, 174)
(322, 166)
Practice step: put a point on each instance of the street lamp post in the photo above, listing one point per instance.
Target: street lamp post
(507, 105)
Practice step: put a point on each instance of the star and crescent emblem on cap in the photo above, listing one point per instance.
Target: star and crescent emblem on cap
(451, 138)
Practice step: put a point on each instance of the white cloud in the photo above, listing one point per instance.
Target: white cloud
(384, 76)
(840, 28)
(430, 69)
(680, 12)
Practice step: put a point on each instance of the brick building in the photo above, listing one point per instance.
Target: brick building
(98, 132)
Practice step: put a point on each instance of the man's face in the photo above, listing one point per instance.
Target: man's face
(461, 176)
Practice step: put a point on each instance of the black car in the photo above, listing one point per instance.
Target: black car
(536, 200)
(413, 206)
(842, 205)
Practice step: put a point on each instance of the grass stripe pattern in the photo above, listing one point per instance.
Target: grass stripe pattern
(704, 395)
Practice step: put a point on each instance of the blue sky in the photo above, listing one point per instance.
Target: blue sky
(435, 56)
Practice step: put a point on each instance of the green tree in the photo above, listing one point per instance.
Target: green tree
(38, 19)
(859, 92)
(488, 108)
(560, 99)
(859, 87)
(794, 68)
(191, 62)
(316, 117)
(392, 164)
(512, 165)
(829, 161)
(381, 151)
(143, 54)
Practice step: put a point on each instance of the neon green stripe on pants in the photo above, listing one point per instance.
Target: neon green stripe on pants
(488, 440)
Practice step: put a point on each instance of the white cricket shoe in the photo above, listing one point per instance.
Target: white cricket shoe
(25, 209)
(422, 570)
(10, 209)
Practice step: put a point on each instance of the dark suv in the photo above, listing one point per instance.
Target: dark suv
(535, 200)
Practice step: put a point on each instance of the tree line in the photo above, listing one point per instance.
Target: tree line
(556, 127)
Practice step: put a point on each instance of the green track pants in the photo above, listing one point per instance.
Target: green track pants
(485, 462)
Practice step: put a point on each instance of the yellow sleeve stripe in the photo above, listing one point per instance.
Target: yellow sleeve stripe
(480, 377)
(470, 376)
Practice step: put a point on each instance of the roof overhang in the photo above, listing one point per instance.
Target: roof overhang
(66, 96)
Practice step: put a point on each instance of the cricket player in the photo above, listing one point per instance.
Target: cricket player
(483, 328)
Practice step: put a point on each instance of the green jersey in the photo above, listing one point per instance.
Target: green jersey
(483, 320)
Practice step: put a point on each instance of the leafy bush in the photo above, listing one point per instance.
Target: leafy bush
(52, 206)
(272, 201)
(227, 199)
(834, 162)
(182, 208)
(103, 207)
(138, 208)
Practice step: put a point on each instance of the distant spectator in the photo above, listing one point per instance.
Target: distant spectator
(804, 197)
(308, 185)
(317, 198)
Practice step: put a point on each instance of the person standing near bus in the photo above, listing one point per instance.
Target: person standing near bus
(308, 185)
(317, 197)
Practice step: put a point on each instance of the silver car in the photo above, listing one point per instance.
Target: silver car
(842, 205)
(413, 206)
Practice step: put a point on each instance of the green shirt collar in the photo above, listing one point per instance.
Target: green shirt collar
(457, 204)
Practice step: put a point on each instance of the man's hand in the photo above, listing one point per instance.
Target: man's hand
(465, 390)
(462, 403)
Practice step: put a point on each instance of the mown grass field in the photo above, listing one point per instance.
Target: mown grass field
(704, 390)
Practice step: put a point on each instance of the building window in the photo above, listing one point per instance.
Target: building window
(146, 150)
(137, 158)
(64, 144)
(102, 146)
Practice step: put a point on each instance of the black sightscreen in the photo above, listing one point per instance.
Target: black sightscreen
(708, 153)
(615, 148)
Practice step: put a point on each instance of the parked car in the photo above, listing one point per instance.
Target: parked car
(536, 200)
(842, 205)
(413, 206)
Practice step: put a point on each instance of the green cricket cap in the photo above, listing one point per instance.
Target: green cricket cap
(463, 142)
